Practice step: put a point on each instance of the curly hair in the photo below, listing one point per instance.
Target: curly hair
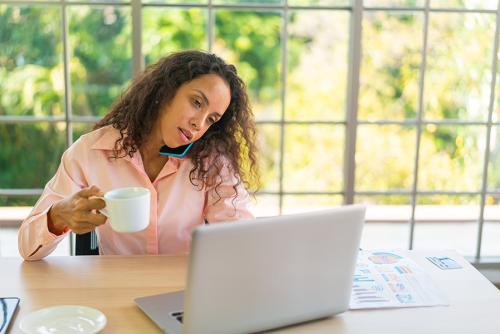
(232, 137)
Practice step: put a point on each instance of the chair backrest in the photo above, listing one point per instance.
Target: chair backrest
(86, 244)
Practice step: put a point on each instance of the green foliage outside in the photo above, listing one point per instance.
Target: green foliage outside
(456, 87)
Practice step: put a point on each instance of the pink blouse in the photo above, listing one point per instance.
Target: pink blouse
(177, 206)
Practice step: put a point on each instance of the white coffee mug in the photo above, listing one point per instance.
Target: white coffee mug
(127, 209)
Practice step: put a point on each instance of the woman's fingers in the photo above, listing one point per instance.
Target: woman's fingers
(87, 222)
(95, 219)
(88, 217)
(77, 212)
(91, 204)
(84, 218)
(83, 228)
(90, 191)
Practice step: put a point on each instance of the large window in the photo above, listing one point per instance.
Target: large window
(390, 103)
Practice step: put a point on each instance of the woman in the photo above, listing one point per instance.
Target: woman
(189, 97)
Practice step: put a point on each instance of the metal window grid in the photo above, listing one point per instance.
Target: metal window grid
(351, 121)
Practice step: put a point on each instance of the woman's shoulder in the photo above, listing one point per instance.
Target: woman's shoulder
(102, 138)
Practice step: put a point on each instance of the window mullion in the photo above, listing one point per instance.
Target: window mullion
(137, 57)
(491, 106)
(352, 100)
(420, 112)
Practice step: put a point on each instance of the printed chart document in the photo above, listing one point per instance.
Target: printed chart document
(390, 279)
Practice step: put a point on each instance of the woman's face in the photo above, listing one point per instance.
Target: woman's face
(195, 107)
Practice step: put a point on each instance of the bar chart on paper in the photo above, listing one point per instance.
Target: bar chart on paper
(366, 291)
(389, 279)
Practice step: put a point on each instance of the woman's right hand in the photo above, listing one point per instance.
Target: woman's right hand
(77, 212)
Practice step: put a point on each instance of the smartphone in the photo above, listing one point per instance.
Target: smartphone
(8, 307)
(178, 152)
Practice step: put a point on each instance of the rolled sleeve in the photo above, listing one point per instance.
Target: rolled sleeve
(35, 241)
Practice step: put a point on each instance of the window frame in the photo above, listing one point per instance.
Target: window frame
(350, 122)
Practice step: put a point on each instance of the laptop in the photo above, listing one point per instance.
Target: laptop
(255, 275)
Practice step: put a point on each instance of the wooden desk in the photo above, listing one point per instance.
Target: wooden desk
(110, 283)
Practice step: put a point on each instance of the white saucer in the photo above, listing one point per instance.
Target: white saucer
(64, 319)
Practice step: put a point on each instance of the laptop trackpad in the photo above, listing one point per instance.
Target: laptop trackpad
(160, 309)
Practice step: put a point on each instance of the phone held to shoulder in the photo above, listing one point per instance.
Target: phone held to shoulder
(177, 152)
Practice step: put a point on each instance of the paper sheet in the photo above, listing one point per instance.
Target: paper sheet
(389, 279)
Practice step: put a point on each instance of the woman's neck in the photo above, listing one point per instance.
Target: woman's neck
(152, 160)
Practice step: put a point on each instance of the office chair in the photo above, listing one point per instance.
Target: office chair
(86, 244)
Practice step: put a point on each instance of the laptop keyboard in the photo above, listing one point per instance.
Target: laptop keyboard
(178, 316)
